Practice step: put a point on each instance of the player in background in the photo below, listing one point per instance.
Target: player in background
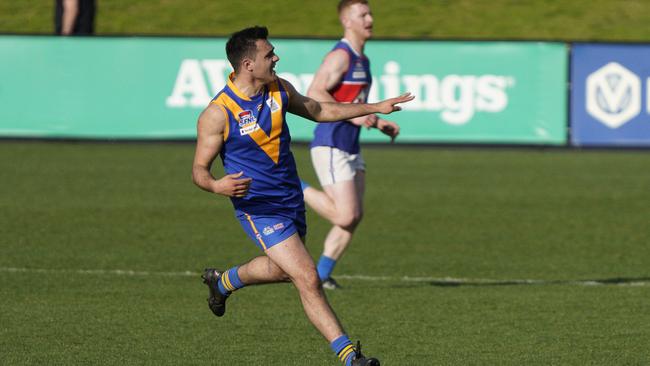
(245, 125)
(344, 76)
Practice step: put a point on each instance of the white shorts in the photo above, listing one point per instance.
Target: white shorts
(333, 165)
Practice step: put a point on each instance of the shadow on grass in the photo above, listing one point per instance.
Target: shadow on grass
(629, 281)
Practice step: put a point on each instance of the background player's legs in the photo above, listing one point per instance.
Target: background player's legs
(347, 198)
(340, 203)
(292, 258)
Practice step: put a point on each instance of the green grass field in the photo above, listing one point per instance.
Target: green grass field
(441, 19)
(468, 256)
(73, 214)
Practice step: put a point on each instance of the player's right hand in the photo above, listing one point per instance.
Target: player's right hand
(232, 186)
(391, 105)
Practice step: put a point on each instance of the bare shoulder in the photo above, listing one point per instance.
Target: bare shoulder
(329, 73)
(336, 60)
(213, 118)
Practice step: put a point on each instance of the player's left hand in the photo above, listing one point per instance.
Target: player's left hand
(391, 104)
(388, 128)
(367, 121)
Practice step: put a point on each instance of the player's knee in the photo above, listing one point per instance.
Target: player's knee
(358, 217)
(307, 279)
(312, 281)
(349, 220)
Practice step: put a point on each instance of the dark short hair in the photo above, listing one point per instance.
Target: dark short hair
(343, 4)
(242, 44)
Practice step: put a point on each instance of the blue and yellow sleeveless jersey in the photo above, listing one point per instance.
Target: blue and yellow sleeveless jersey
(256, 141)
(353, 88)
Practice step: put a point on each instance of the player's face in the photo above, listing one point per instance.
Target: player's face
(359, 20)
(265, 60)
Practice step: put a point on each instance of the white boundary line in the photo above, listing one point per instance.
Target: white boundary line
(440, 281)
(115, 272)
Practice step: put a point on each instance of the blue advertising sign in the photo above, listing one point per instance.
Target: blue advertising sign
(610, 103)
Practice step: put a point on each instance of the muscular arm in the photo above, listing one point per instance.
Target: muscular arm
(210, 133)
(329, 74)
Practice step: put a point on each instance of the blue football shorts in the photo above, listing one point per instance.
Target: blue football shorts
(267, 230)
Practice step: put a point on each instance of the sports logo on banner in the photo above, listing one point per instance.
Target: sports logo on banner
(613, 95)
(610, 101)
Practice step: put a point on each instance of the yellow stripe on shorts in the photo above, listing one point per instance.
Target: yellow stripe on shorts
(257, 233)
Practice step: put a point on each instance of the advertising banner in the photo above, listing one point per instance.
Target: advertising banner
(610, 102)
(466, 92)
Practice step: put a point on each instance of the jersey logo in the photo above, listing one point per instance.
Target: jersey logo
(272, 104)
(247, 122)
(359, 72)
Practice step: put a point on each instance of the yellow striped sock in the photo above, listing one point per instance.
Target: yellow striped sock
(225, 280)
(345, 353)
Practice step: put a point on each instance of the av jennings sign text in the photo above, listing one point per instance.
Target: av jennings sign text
(466, 92)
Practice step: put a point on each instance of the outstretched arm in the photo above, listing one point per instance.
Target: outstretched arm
(210, 134)
(332, 111)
